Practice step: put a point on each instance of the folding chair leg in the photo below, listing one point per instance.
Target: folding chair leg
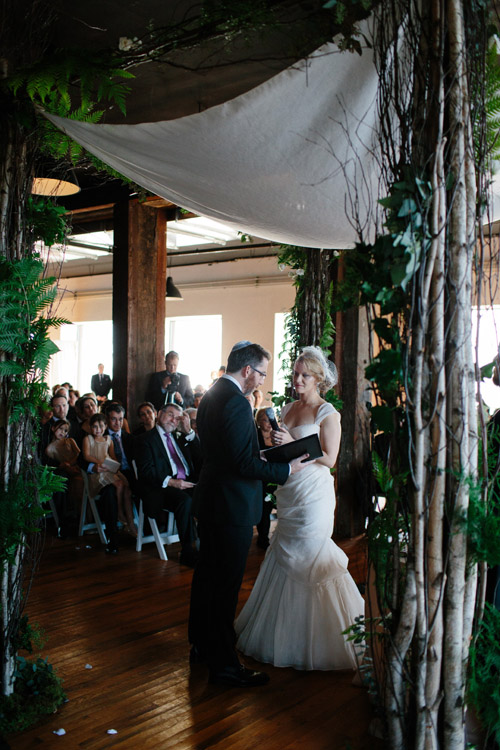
(97, 519)
(158, 540)
(140, 529)
(83, 514)
(54, 512)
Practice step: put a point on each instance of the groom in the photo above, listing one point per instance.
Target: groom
(228, 503)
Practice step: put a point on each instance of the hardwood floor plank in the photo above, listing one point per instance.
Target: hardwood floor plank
(127, 617)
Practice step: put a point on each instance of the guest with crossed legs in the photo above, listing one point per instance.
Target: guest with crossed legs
(168, 469)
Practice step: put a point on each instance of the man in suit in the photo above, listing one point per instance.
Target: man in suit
(123, 443)
(228, 503)
(168, 468)
(101, 384)
(170, 386)
(60, 407)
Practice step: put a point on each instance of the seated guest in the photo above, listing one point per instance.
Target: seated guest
(168, 468)
(101, 384)
(97, 448)
(62, 453)
(192, 412)
(105, 407)
(123, 442)
(147, 417)
(169, 386)
(59, 407)
(85, 407)
(197, 398)
(63, 450)
(73, 397)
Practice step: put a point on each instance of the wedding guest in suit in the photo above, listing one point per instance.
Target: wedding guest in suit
(168, 469)
(147, 417)
(59, 407)
(123, 442)
(228, 503)
(170, 386)
(101, 384)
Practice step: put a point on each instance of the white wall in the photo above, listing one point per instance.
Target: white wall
(247, 294)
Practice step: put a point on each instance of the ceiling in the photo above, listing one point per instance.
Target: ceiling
(181, 83)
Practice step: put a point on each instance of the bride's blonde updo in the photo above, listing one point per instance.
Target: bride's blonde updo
(324, 371)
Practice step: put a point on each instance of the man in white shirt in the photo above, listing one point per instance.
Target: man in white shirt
(168, 468)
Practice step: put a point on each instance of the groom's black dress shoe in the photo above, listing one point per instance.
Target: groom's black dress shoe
(238, 677)
(196, 656)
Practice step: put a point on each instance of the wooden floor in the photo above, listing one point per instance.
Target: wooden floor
(126, 617)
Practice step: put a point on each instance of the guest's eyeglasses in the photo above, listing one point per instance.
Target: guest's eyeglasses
(262, 374)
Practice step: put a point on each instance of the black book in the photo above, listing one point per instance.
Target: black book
(285, 453)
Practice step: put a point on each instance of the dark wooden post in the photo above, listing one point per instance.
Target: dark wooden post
(354, 474)
(139, 282)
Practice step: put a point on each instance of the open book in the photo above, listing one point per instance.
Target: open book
(111, 465)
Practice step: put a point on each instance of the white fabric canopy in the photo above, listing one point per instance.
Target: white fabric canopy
(283, 161)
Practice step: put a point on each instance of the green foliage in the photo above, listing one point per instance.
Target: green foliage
(21, 506)
(46, 221)
(29, 637)
(56, 80)
(388, 534)
(482, 523)
(24, 297)
(484, 672)
(37, 691)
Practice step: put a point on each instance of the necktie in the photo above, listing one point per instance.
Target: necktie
(181, 473)
(115, 437)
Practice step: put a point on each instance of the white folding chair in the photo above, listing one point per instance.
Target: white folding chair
(169, 536)
(86, 498)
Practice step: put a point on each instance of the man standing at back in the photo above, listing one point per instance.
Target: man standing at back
(228, 503)
(169, 386)
(101, 384)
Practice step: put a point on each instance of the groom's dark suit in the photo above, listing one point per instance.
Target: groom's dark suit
(227, 503)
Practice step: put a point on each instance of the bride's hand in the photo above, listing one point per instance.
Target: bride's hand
(281, 436)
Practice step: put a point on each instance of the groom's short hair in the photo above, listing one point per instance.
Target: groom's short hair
(252, 355)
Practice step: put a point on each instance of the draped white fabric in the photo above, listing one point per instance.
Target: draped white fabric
(285, 161)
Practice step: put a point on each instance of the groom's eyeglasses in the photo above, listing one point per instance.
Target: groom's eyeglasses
(262, 374)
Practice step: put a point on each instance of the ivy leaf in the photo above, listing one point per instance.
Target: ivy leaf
(382, 418)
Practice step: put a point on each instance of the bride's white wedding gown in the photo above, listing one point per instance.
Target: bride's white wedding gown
(303, 597)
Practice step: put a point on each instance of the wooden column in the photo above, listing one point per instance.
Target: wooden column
(139, 282)
(354, 473)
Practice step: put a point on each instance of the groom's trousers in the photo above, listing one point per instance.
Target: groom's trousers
(214, 594)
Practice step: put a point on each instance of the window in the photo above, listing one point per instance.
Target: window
(198, 341)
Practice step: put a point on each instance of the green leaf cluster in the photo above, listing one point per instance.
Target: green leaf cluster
(47, 222)
(37, 692)
(484, 672)
(24, 341)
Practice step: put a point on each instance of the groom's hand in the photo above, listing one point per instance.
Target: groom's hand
(296, 464)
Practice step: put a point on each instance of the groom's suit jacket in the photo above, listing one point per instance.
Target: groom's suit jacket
(153, 465)
(229, 490)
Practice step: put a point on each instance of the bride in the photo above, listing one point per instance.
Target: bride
(304, 597)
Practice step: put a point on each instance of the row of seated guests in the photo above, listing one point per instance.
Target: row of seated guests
(166, 453)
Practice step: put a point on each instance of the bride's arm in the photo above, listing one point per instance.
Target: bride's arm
(329, 437)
